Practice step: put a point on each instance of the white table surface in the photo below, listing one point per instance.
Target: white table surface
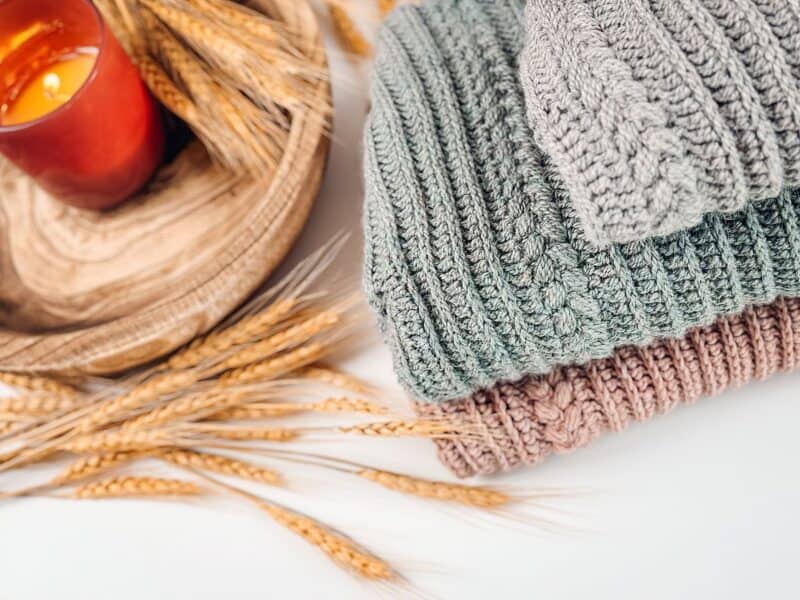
(701, 503)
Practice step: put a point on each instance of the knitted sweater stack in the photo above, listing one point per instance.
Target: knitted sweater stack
(475, 261)
(480, 269)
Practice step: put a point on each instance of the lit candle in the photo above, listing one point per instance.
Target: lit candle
(50, 88)
(74, 112)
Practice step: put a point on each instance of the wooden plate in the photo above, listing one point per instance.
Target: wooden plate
(96, 293)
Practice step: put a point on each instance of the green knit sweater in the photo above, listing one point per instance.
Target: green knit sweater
(475, 262)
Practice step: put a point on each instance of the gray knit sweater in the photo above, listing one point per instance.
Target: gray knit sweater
(656, 112)
(476, 264)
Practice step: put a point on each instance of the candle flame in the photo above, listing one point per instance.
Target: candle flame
(52, 85)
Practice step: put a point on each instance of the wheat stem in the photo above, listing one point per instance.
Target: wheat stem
(338, 547)
(135, 487)
(333, 405)
(426, 429)
(348, 34)
(257, 412)
(119, 441)
(37, 383)
(194, 406)
(242, 434)
(139, 397)
(335, 378)
(266, 411)
(476, 496)
(39, 404)
(222, 465)
(242, 332)
(94, 464)
(291, 337)
(273, 367)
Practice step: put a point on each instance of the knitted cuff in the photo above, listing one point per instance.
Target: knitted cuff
(526, 421)
(655, 113)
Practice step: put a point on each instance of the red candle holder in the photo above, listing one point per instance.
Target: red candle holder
(102, 144)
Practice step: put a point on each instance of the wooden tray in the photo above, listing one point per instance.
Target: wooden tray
(97, 293)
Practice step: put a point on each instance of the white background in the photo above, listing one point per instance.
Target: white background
(702, 503)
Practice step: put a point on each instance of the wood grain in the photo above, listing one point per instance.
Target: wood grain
(84, 292)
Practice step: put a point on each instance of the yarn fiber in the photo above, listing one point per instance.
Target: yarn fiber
(476, 263)
(655, 112)
(526, 421)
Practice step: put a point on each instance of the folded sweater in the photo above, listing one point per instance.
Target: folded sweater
(655, 112)
(475, 262)
(525, 421)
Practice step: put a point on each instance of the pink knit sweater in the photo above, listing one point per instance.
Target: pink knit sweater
(525, 421)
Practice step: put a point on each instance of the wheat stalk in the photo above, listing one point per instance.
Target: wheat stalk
(426, 429)
(116, 441)
(38, 383)
(94, 464)
(139, 397)
(346, 31)
(273, 367)
(335, 378)
(118, 14)
(196, 406)
(222, 465)
(225, 70)
(342, 550)
(39, 404)
(10, 427)
(247, 434)
(16, 417)
(288, 338)
(135, 487)
(475, 496)
(241, 129)
(173, 98)
(226, 51)
(328, 405)
(339, 548)
(261, 29)
(333, 405)
(242, 332)
(259, 318)
(257, 412)
(279, 50)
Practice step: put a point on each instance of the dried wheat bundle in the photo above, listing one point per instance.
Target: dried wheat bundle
(234, 75)
(244, 388)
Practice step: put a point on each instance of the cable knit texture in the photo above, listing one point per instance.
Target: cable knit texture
(655, 112)
(476, 264)
(526, 421)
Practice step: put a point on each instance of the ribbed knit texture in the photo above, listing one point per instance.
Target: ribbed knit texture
(475, 262)
(655, 112)
(526, 421)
